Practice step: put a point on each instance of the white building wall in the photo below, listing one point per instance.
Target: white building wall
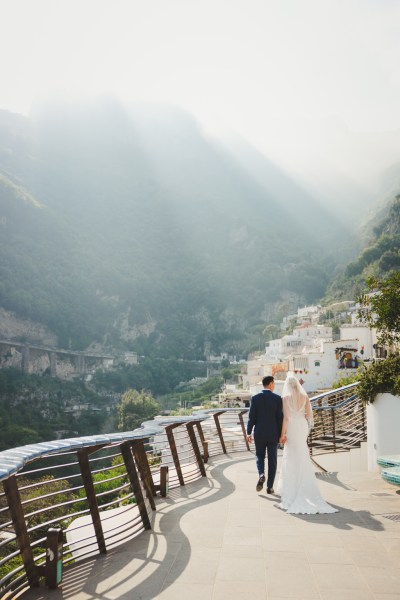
(309, 332)
(310, 351)
(256, 370)
(319, 369)
(364, 335)
(383, 417)
(257, 388)
(274, 348)
(307, 311)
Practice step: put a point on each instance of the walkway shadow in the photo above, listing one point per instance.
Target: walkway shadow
(345, 519)
(332, 477)
(112, 576)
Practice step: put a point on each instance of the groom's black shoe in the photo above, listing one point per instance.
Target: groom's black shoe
(260, 483)
(270, 491)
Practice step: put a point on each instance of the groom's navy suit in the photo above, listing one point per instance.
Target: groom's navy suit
(266, 417)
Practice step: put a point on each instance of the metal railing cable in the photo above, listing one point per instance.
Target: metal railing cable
(339, 421)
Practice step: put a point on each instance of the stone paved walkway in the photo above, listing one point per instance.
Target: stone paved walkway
(217, 539)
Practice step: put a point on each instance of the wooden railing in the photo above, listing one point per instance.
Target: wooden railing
(99, 491)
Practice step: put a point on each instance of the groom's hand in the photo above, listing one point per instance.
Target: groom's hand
(249, 439)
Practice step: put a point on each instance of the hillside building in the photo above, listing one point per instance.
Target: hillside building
(316, 359)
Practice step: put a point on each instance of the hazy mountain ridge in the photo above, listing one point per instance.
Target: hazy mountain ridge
(380, 255)
(140, 219)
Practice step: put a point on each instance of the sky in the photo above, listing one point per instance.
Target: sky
(281, 73)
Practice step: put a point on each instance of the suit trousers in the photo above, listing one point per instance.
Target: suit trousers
(263, 447)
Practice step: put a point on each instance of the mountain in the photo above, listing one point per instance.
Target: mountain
(131, 229)
(346, 170)
(379, 256)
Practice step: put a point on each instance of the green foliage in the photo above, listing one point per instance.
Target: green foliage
(380, 307)
(20, 425)
(10, 565)
(33, 409)
(181, 412)
(135, 408)
(227, 374)
(381, 377)
(34, 493)
(271, 332)
(377, 260)
(140, 246)
(342, 381)
(105, 483)
(385, 250)
(193, 396)
(50, 486)
(159, 376)
(17, 435)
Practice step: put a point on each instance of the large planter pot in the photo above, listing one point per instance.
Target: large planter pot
(383, 428)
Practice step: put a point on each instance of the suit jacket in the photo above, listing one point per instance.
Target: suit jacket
(266, 416)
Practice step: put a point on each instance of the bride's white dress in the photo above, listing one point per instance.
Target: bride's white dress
(297, 483)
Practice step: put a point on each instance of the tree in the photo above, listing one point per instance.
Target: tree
(227, 374)
(380, 307)
(17, 435)
(136, 407)
(271, 331)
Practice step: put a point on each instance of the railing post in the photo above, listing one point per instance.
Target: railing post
(192, 436)
(127, 455)
(244, 429)
(144, 469)
(203, 441)
(218, 426)
(174, 451)
(83, 459)
(21, 531)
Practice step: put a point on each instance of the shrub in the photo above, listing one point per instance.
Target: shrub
(381, 377)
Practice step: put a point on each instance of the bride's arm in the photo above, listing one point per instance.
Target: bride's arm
(282, 439)
(309, 414)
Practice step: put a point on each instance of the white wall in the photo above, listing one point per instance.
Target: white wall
(256, 370)
(256, 389)
(364, 335)
(309, 332)
(383, 428)
(351, 461)
(320, 376)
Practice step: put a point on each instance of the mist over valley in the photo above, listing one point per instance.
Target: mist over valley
(136, 230)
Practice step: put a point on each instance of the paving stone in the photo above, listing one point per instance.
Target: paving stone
(217, 538)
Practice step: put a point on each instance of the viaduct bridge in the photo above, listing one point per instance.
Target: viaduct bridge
(31, 358)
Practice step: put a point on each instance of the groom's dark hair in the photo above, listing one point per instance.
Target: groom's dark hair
(267, 380)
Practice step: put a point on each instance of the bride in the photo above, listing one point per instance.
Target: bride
(298, 485)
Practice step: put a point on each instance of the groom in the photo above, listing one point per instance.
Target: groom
(266, 417)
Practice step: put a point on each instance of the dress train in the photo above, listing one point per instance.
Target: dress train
(297, 483)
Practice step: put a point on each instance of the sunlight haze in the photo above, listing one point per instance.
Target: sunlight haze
(286, 75)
